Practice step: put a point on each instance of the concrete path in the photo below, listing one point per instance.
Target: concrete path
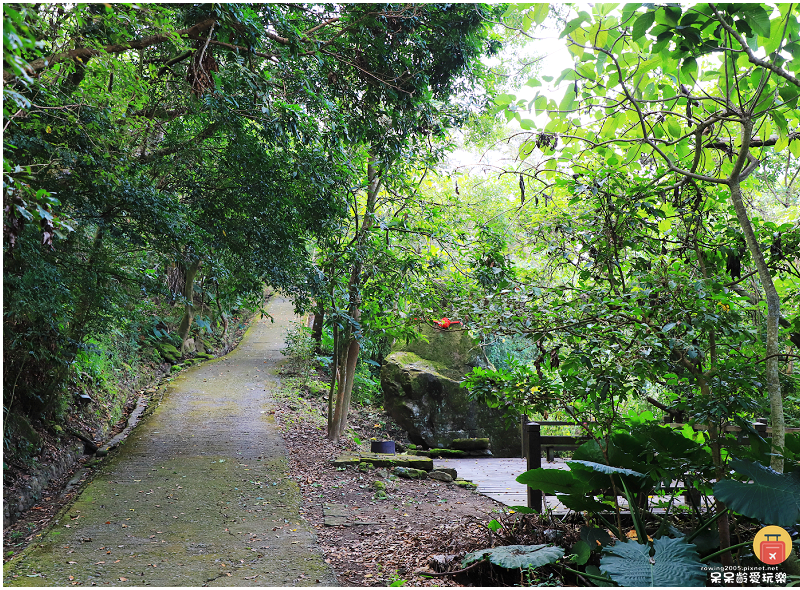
(198, 495)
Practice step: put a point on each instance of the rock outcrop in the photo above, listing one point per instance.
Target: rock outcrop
(422, 392)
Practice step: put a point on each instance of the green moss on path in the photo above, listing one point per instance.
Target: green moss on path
(197, 495)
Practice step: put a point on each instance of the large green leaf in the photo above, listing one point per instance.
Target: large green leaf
(642, 24)
(588, 451)
(772, 498)
(758, 19)
(607, 469)
(674, 563)
(516, 556)
(551, 481)
(581, 503)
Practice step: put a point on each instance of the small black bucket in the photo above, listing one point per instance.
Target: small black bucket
(382, 446)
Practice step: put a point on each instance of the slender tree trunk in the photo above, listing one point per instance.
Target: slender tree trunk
(341, 376)
(188, 294)
(334, 375)
(351, 344)
(319, 321)
(773, 321)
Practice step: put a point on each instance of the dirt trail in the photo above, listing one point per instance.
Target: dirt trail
(198, 495)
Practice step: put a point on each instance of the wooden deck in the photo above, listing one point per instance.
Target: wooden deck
(497, 478)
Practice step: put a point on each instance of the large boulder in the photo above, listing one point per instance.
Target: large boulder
(422, 392)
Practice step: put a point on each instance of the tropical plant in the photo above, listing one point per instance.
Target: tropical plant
(516, 556)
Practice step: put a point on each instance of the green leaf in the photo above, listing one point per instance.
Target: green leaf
(572, 25)
(588, 451)
(494, 526)
(758, 19)
(772, 498)
(674, 563)
(522, 509)
(516, 556)
(642, 24)
(595, 536)
(689, 69)
(582, 503)
(607, 469)
(551, 481)
(540, 12)
(668, 327)
(673, 127)
(581, 552)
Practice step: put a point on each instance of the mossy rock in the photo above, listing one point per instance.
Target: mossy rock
(463, 483)
(364, 467)
(385, 460)
(411, 473)
(204, 356)
(168, 352)
(379, 485)
(448, 470)
(175, 368)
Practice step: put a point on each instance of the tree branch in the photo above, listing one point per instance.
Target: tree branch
(752, 56)
(84, 54)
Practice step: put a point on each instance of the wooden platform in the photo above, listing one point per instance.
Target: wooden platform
(496, 478)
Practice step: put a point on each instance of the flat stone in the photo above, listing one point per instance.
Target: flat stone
(448, 470)
(339, 515)
(470, 444)
(441, 476)
(454, 453)
(462, 483)
(345, 460)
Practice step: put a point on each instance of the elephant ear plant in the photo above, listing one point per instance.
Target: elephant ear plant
(771, 498)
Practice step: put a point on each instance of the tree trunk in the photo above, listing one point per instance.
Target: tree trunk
(316, 328)
(188, 294)
(351, 343)
(773, 321)
(334, 375)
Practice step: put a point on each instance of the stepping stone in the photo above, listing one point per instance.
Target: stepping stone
(339, 515)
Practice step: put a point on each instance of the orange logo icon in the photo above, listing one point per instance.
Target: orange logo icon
(771, 545)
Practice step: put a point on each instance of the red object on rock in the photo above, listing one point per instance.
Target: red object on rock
(445, 323)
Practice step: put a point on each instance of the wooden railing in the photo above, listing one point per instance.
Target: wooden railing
(534, 442)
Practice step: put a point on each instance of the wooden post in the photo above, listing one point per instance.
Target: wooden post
(534, 455)
(523, 421)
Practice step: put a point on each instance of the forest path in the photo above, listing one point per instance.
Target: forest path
(199, 493)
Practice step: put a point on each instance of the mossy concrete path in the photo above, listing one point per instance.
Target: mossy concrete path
(199, 494)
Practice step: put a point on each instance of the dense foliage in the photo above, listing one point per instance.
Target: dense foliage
(629, 245)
